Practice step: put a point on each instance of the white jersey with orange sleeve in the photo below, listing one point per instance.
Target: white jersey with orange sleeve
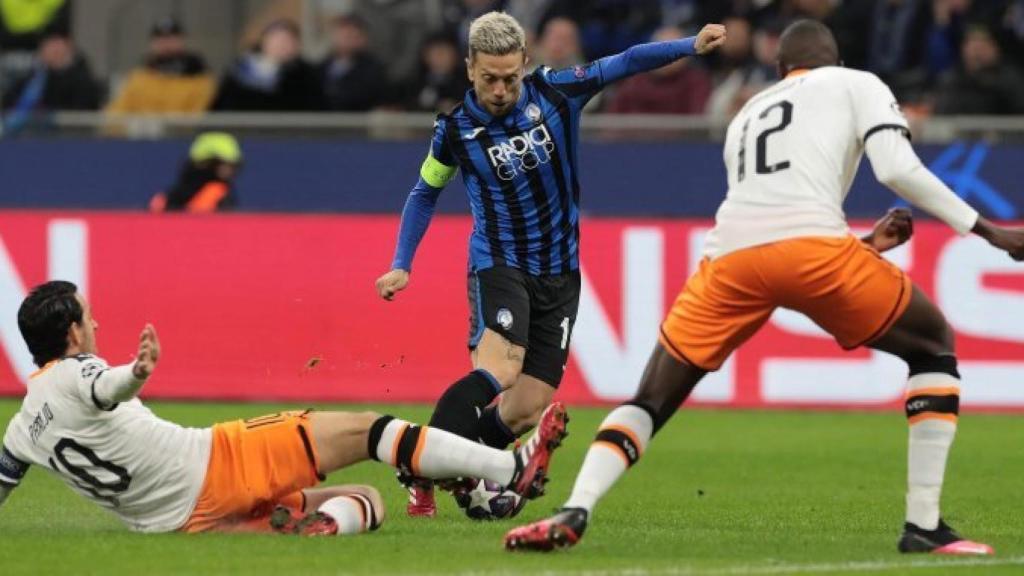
(792, 153)
(147, 471)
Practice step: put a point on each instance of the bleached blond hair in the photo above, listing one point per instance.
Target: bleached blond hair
(497, 34)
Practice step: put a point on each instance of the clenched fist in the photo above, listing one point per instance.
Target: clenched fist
(893, 229)
(392, 283)
(710, 37)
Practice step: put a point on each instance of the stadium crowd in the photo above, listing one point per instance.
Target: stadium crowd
(939, 56)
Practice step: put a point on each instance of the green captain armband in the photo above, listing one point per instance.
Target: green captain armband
(435, 173)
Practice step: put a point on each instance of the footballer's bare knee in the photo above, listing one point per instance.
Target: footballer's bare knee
(521, 406)
(521, 419)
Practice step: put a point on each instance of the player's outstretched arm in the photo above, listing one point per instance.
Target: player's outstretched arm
(122, 383)
(645, 57)
(897, 166)
(891, 230)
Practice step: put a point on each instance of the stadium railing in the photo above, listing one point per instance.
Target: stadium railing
(405, 126)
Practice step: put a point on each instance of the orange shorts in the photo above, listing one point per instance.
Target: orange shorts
(843, 285)
(255, 465)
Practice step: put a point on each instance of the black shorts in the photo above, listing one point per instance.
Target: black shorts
(535, 312)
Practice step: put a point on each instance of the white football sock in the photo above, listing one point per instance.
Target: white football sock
(433, 453)
(620, 441)
(931, 435)
(352, 512)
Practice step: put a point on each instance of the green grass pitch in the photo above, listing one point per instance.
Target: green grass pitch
(719, 492)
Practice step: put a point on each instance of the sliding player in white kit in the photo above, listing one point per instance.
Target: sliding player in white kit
(82, 421)
(781, 240)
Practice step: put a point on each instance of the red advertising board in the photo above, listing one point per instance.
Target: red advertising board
(283, 307)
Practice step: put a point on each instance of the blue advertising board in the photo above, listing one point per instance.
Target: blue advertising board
(618, 179)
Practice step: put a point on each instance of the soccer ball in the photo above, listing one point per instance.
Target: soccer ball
(486, 500)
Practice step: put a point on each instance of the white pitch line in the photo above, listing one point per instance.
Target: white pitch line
(767, 570)
(859, 566)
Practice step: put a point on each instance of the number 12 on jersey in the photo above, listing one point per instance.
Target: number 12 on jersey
(762, 141)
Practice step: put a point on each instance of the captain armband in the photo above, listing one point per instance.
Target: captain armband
(435, 173)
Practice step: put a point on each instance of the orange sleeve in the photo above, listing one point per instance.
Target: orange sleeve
(208, 197)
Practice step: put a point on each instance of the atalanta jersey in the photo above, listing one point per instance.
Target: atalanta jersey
(521, 169)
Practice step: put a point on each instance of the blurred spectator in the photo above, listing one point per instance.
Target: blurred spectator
(1011, 25)
(460, 14)
(273, 77)
(851, 24)
(172, 79)
(558, 48)
(352, 79)
(719, 10)
(814, 9)
(737, 52)
(742, 82)
(609, 26)
(897, 45)
(1004, 17)
(23, 24)
(679, 13)
(168, 53)
(983, 83)
(398, 28)
(60, 80)
(732, 63)
(529, 13)
(559, 45)
(679, 88)
(261, 15)
(441, 82)
(206, 180)
(949, 19)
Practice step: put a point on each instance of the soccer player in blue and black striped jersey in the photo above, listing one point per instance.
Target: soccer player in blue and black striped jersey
(515, 138)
